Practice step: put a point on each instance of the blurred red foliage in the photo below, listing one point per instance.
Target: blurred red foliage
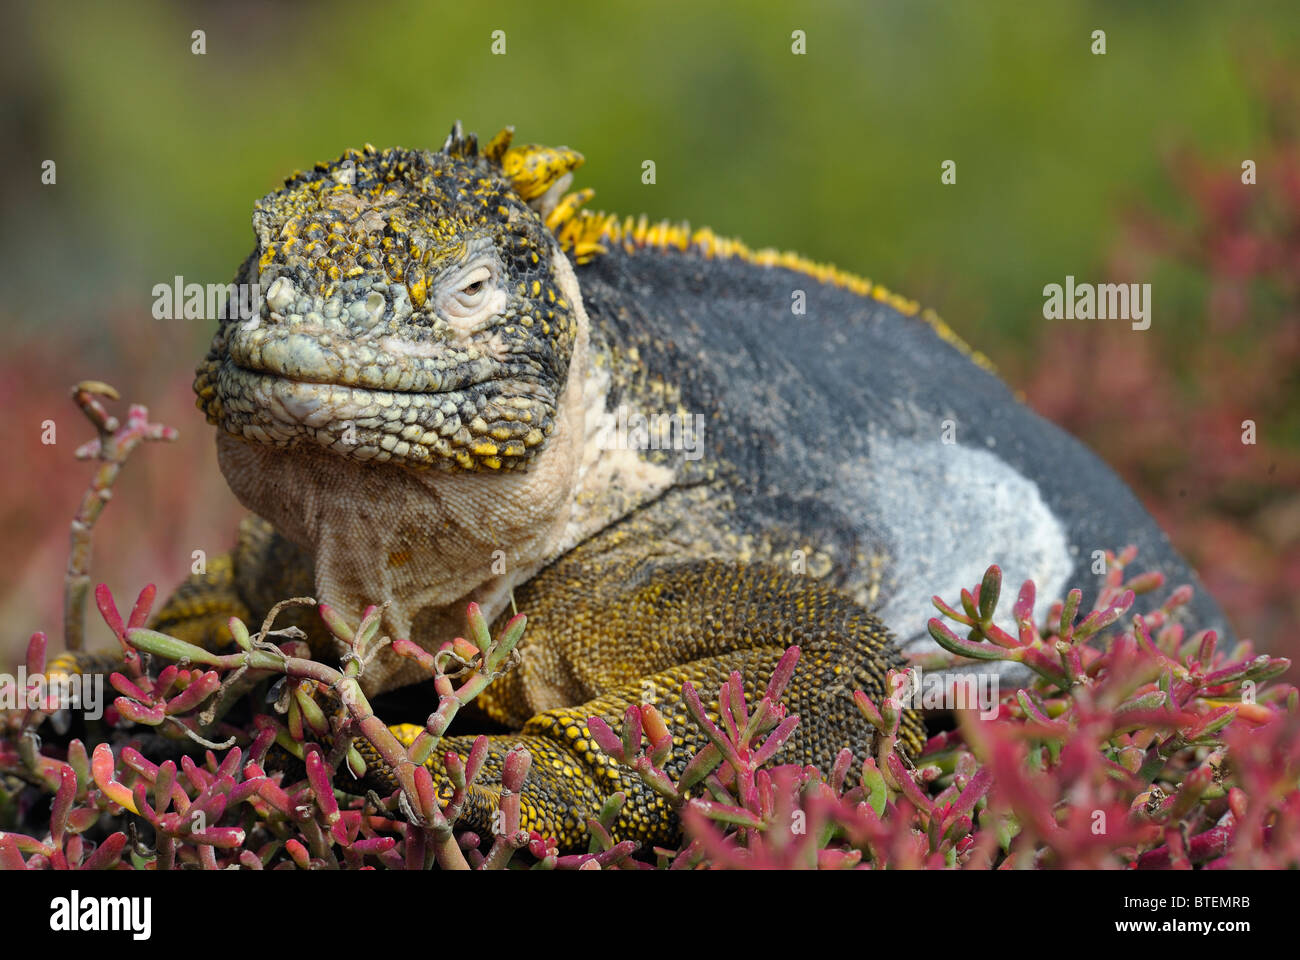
(172, 500)
(1167, 406)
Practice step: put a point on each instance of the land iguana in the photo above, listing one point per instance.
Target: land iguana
(677, 455)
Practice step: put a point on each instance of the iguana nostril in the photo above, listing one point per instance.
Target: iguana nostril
(368, 312)
(281, 295)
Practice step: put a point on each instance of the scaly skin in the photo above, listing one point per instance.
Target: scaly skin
(346, 257)
(425, 412)
(670, 626)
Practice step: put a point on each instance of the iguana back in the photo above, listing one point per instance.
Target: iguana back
(843, 425)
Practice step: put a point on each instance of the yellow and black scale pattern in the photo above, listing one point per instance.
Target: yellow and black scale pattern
(606, 631)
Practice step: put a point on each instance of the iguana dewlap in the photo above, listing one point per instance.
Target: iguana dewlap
(442, 400)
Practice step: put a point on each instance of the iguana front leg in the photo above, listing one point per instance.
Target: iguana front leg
(598, 643)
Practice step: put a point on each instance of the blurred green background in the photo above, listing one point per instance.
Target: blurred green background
(1062, 158)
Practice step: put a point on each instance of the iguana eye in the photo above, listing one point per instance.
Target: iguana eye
(469, 296)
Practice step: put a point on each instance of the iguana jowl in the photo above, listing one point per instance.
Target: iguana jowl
(422, 415)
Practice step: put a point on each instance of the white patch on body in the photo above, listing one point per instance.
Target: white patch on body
(949, 511)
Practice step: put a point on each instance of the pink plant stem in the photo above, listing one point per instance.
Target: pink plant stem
(112, 447)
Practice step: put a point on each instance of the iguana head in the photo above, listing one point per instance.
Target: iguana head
(418, 310)
(411, 310)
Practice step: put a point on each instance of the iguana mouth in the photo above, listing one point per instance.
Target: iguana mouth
(315, 355)
(490, 423)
